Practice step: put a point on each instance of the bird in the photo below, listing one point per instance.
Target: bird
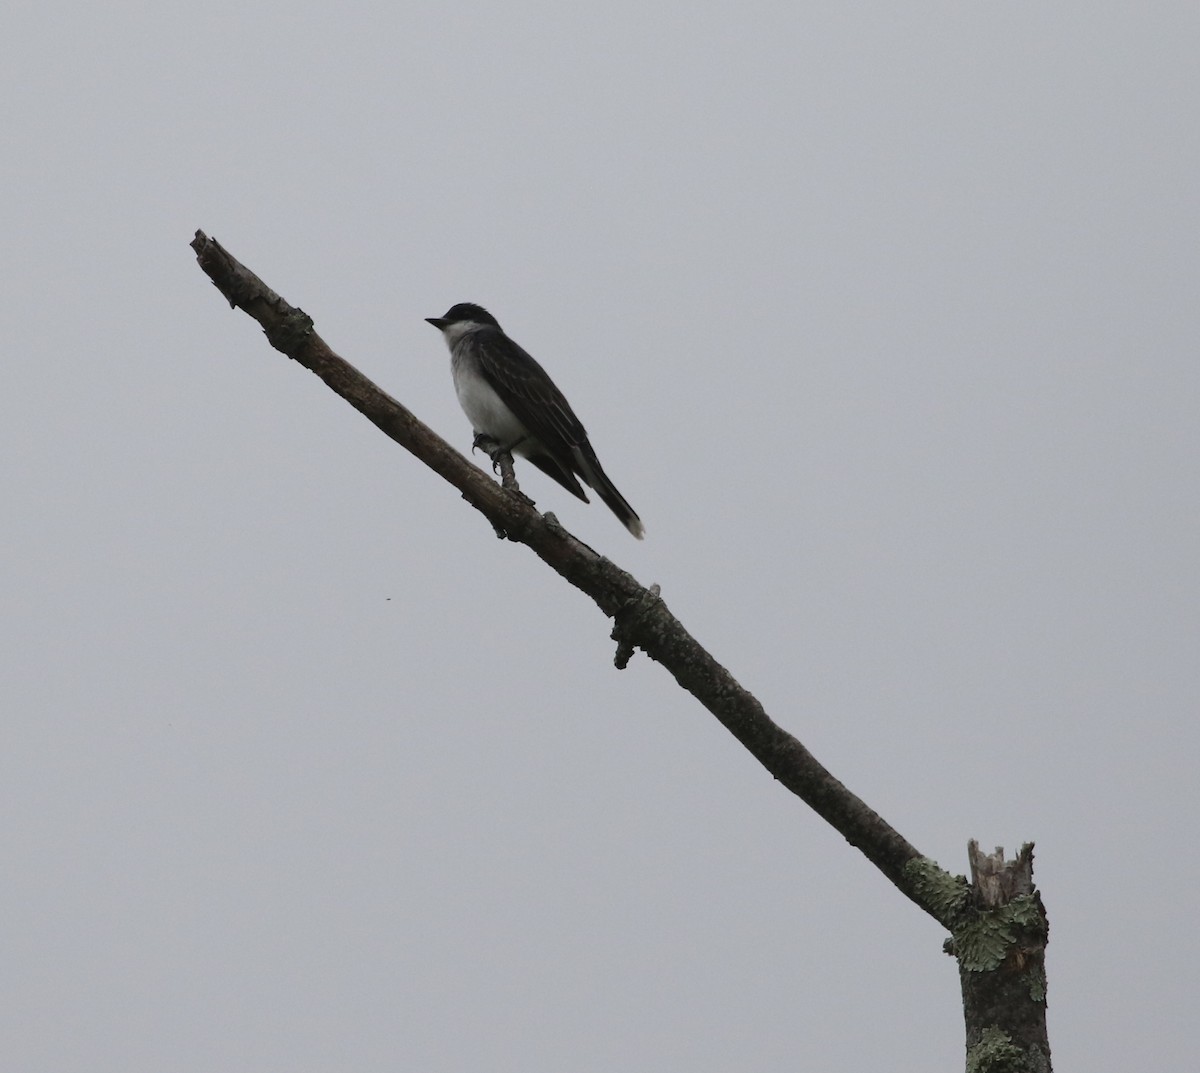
(509, 398)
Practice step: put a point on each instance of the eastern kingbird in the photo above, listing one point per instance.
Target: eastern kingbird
(509, 398)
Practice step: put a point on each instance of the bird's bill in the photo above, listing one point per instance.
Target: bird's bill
(438, 322)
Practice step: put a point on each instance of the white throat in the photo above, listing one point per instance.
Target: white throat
(454, 332)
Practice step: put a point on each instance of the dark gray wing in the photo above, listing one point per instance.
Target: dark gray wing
(529, 392)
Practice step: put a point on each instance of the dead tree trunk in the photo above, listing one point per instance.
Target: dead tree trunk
(1001, 952)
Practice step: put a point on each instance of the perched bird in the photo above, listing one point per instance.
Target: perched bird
(510, 399)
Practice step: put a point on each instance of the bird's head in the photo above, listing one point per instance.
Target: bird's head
(464, 317)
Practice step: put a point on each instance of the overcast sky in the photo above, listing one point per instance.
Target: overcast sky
(884, 319)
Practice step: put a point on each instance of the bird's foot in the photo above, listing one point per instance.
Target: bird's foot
(490, 447)
(502, 460)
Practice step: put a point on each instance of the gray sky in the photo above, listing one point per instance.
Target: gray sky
(884, 320)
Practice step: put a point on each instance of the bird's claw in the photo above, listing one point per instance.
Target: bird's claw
(490, 447)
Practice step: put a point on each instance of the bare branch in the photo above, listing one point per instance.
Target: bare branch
(642, 619)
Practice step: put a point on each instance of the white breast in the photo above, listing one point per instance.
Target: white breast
(485, 409)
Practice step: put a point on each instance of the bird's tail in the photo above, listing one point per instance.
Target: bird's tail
(592, 472)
